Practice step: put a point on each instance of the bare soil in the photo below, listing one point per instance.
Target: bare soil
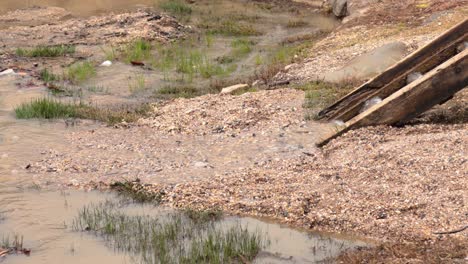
(61, 28)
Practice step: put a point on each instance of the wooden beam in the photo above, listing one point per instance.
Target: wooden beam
(396, 84)
(433, 88)
(422, 60)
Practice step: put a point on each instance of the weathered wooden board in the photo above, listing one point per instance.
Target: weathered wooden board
(393, 79)
(433, 88)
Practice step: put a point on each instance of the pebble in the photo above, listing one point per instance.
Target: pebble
(106, 63)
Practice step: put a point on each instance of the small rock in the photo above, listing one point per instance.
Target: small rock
(201, 164)
(339, 7)
(107, 63)
(257, 83)
(287, 67)
(74, 182)
(7, 72)
(233, 88)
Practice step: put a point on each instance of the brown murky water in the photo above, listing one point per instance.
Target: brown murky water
(44, 219)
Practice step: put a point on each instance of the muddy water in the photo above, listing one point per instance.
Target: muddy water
(79, 7)
(44, 219)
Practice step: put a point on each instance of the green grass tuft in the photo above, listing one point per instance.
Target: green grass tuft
(169, 92)
(45, 108)
(241, 47)
(139, 50)
(46, 51)
(80, 72)
(191, 237)
(176, 7)
(228, 27)
(47, 76)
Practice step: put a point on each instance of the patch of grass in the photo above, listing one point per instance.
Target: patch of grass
(228, 27)
(80, 72)
(170, 238)
(110, 53)
(139, 50)
(209, 39)
(169, 92)
(208, 69)
(48, 108)
(46, 51)
(241, 47)
(297, 23)
(45, 108)
(176, 7)
(258, 60)
(47, 76)
(188, 61)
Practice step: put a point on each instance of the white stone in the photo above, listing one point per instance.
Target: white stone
(107, 63)
(234, 88)
(7, 72)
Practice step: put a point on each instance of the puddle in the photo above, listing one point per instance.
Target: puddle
(45, 220)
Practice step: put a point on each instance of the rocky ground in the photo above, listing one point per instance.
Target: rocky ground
(371, 25)
(253, 154)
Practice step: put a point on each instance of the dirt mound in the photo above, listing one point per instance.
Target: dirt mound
(108, 29)
(216, 114)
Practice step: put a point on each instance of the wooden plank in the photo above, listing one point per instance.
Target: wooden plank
(433, 88)
(442, 45)
(396, 84)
